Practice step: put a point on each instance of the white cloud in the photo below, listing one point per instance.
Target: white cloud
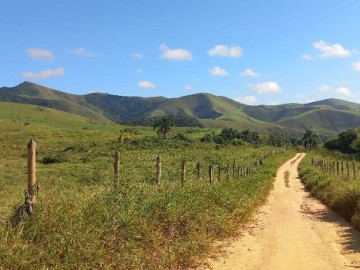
(356, 66)
(249, 100)
(40, 54)
(45, 74)
(146, 84)
(188, 87)
(266, 87)
(216, 71)
(307, 57)
(82, 52)
(325, 88)
(340, 90)
(139, 71)
(175, 54)
(138, 56)
(331, 50)
(249, 73)
(344, 91)
(223, 50)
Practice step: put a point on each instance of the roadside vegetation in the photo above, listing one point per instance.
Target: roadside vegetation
(81, 222)
(331, 173)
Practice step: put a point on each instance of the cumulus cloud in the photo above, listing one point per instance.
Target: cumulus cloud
(175, 54)
(249, 73)
(216, 71)
(266, 87)
(146, 84)
(307, 57)
(188, 87)
(82, 52)
(343, 91)
(45, 74)
(223, 50)
(249, 100)
(40, 54)
(138, 56)
(339, 90)
(328, 50)
(356, 66)
(325, 88)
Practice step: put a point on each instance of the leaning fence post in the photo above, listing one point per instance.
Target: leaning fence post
(116, 169)
(32, 170)
(158, 169)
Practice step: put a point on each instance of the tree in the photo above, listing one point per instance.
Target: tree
(344, 142)
(310, 139)
(163, 126)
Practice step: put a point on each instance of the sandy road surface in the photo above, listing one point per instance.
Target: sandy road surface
(292, 231)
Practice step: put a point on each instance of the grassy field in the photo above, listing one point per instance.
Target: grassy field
(82, 222)
(339, 191)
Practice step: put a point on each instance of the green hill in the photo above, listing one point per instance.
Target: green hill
(30, 93)
(16, 115)
(330, 115)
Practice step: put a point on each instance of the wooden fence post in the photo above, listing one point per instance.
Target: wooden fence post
(198, 166)
(32, 170)
(227, 172)
(233, 169)
(116, 169)
(210, 174)
(158, 170)
(183, 172)
(219, 173)
(342, 168)
(353, 165)
(347, 168)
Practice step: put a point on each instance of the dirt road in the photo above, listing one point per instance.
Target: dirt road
(292, 231)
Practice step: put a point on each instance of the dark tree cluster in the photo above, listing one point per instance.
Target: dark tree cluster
(344, 142)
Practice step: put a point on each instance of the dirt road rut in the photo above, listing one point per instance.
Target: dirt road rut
(292, 231)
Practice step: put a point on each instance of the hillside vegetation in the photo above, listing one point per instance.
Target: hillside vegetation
(329, 116)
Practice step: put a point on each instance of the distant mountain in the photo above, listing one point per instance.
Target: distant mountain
(30, 93)
(329, 116)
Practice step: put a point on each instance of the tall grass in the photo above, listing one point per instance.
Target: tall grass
(81, 222)
(134, 227)
(341, 193)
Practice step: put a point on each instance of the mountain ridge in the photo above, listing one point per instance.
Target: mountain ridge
(201, 109)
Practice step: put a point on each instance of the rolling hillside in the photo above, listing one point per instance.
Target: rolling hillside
(30, 93)
(329, 116)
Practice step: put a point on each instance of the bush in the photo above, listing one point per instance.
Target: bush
(50, 159)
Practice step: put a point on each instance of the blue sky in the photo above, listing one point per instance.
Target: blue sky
(256, 52)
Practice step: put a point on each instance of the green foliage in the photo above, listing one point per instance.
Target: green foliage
(343, 142)
(279, 140)
(233, 136)
(163, 126)
(309, 139)
(125, 137)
